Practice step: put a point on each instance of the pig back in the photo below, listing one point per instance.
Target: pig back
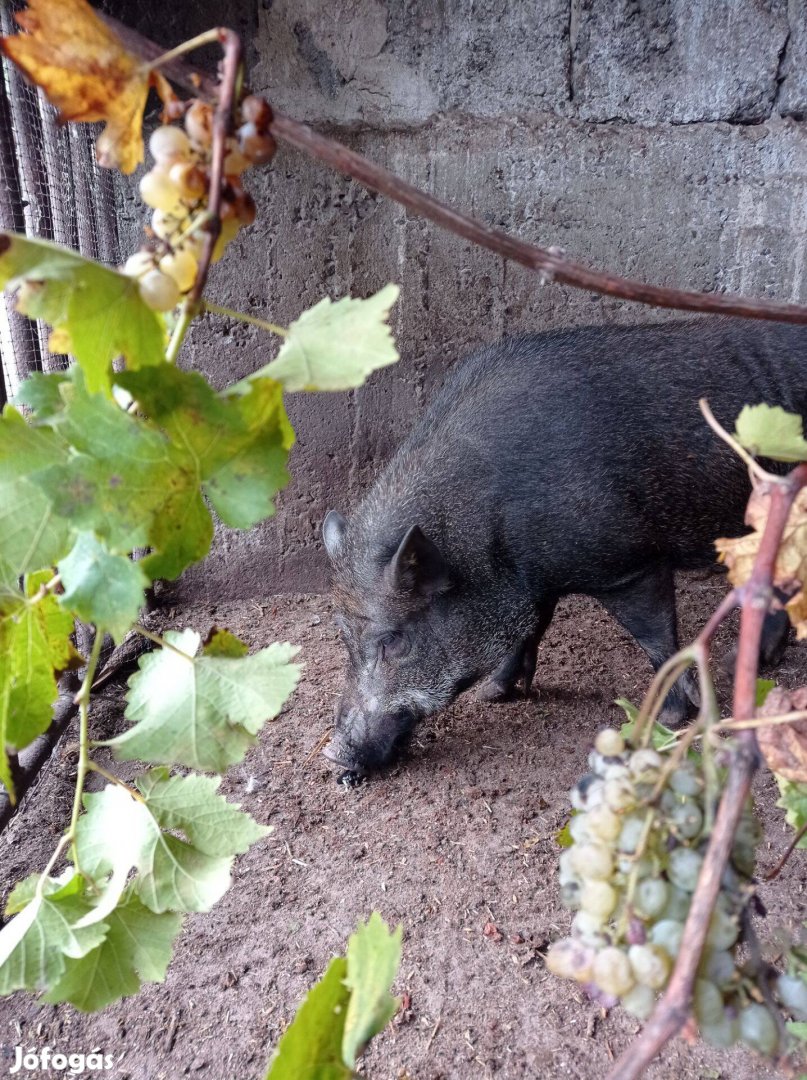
(565, 460)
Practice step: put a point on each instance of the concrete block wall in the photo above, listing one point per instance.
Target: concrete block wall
(661, 140)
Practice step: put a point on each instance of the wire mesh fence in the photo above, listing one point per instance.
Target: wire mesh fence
(52, 188)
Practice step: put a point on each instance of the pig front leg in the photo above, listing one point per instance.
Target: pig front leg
(645, 606)
(519, 665)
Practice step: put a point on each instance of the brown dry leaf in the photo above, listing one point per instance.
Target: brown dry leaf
(87, 74)
(790, 573)
(784, 746)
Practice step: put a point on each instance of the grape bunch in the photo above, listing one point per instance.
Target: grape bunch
(177, 189)
(638, 838)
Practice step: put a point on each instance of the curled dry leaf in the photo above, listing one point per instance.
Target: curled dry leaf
(784, 746)
(790, 573)
(87, 74)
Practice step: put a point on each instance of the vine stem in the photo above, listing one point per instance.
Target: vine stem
(161, 641)
(83, 702)
(219, 309)
(550, 264)
(672, 1011)
(209, 37)
(756, 470)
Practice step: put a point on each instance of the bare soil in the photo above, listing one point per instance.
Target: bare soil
(457, 842)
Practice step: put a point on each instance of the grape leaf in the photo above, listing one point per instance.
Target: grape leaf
(136, 949)
(35, 648)
(784, 746)
(223, 643)
(100, 587)
(336, 346)
(373, 958)
(794, 802)
(311, 1048)
(763, 688)
(99, 310)
(790, 571)
(31, 535)
(236, 442)
(86, 72)
(35, 943)
(119, 833)
(202, 711)
(662, 737)
(769, 431)
(42, 393)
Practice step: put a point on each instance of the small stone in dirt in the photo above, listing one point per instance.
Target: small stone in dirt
(197, 1064)
(228, 980)
(302, 965)
(491, 931)
(315, 620)
(516, 939)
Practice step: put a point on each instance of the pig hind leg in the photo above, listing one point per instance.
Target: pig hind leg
(519, 665)
(645, 606)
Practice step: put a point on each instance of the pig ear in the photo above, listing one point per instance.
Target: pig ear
(334, 529)
(417, 566)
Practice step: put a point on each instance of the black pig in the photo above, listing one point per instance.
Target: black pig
(568, 462)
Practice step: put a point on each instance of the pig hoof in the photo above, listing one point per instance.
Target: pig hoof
(493, 691)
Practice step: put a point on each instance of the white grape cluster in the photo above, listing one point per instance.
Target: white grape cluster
(636, 854)
(177, 187)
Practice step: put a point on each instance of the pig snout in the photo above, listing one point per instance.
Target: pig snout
(365, 741)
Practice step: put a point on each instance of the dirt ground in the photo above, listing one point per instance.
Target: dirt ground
(459, 835)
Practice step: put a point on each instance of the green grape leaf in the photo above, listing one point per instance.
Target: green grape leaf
(136, 949)
(31, 535)
(192, 804)
(311, 1048)
(769, 431)
(563, 837)
(21, 895)
(202, 711)
(794, 802)
(763, 688)
(97, 312)
(798, 1029)
(223, 643)
(119, 833)
(235, 443)
(100, 587)
(336, 346)
(35, 943)
(35, 648)
(661, 739)
(42, 393)
(373, 958)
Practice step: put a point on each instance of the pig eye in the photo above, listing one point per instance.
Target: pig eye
(393, 647)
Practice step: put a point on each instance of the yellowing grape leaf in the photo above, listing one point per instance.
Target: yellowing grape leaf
(86, 72)
(769, 431)
(100, 310)
(336, 346)
(790, 572)
(784, 746)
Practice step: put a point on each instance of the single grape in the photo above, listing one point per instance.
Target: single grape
(587, 792)
(159, 291)
(639, 868)
(235, 163)
(592, 861)
(631, 833)
(609, 742)
(182, 267)
(189, 180)
(566, 867)
(724, 929)
(598, 898)
(245, 209)
(587, 926)
(645, 765)
(686, 819)
(758, 1029)
(569, 959)
(169, 144)
(707, 1003)
(723, 1034)
(650, 898)
(668, 934)
(678, 905)
(165, 225)
(570, 895)
(639, 1002)
(684, 868)
(138, 264)
(159, 192)
(199, 125)
(718, 966)
(256, 110)
(612, 971)
(650, 965)
(229, 231)
(258, 148)
(620, 794)
(792, 992)
(616, 770)
(603, 824)
(685, 780)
